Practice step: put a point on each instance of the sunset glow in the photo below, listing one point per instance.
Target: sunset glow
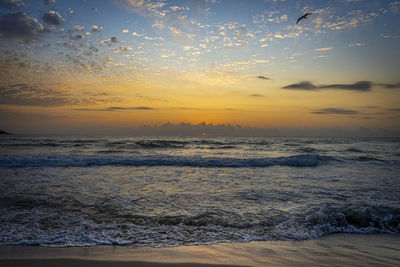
(80, 66)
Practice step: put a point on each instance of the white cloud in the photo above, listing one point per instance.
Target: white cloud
(356, 44)
(95, 28)
(280, 19)
(323, 49)
(124, 48)
(158, 25)
(79, 27)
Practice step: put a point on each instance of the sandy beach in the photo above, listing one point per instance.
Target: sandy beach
(332, 250)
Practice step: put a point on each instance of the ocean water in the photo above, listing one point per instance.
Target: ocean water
(158, 191)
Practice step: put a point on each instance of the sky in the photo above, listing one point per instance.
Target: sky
(83, 66)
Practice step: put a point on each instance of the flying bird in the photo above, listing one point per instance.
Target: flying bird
(303, 17)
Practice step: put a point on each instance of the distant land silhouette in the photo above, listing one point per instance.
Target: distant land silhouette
(4, 132)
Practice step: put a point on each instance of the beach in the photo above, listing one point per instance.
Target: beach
(332, 250)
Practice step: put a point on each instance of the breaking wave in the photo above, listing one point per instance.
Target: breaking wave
(44, 228)
(61, 160)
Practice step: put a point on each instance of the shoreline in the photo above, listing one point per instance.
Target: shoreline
(333, 250)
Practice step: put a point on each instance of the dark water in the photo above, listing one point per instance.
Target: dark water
(79, 191)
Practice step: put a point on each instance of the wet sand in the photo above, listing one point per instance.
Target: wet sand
(332, 250)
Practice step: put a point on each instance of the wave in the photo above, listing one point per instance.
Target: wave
(368, 159)
(355, 150)
(75, 160)
(213, 226)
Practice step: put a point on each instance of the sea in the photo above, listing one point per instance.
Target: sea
(173, 191)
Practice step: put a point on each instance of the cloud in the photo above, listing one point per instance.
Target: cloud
(261, 61)
(114, 108)
(150, 8)
(94, 9)
(339, 111)
(363, 86)
(256, 95)
(11, 3)
(177, 8)
(394, 7)
(95, 28)
(77, 37)
(176, 33)
(360, 86)
(124, 48)
(48, 2)
(31, 95)
(19, 27)
(79, 27)
(158, 25)
(390, 85)
(114, 40)
(132, 108)
(301, 86)
(356, 44)
(53, 18)
(262, 77)
(323, 49)
(280, 19)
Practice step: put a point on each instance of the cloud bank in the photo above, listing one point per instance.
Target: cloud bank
(339, 111)
(360, 86)
(20, 27)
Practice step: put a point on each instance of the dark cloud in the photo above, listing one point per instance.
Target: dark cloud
(49, 2)
(115, 108)
(11, 3)
(94, 9)
(390, 85)
(262, 77)
(77, 37)
(339, 111)
(52, 18)
(301, 86)
(32, 95)
(19, 27)
(360, 86)
(114, 40)
(256, 95)
(122, 108)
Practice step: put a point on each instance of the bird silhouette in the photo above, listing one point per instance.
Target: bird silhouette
(303, 17)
